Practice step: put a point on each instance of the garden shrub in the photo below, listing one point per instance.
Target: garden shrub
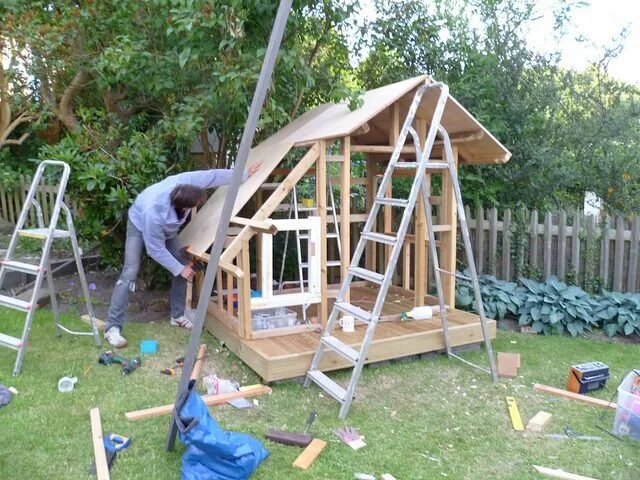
(499, 297)
(619, 313)
(555, 307)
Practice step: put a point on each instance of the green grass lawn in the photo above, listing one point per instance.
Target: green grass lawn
(424, 419)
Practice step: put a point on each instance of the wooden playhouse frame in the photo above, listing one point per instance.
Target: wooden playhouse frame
(372, 131)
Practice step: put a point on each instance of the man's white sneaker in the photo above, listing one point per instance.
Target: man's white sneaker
(182, 321)
(113, 337)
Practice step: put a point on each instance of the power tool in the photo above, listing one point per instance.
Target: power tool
(128, 365)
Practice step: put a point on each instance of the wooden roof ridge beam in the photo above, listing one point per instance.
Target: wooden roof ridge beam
(464, 137)
(260, 226)
(269, 206)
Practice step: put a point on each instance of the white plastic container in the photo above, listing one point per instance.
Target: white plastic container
(280, 317)
(627, 420)
(418, 313)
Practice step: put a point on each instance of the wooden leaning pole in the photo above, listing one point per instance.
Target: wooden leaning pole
(216, 250)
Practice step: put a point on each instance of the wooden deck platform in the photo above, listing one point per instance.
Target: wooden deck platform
(279, 358)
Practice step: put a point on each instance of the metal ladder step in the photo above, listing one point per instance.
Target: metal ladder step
(406, 165)
(414, 165)
(330, 263)
(305, 236)
(9, 341)
(21, 267)
(43, 233)
(341, 348)
(455, 274)
(380, 238)
(313, 209)
(14, 303)
(365, 274)
(392, 202)
(349, 309)
(328, 385)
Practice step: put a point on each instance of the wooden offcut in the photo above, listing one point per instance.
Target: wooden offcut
(538, 422)
(310, 454)
(87, 319)
(508, 364)
(208, 400)
(102, 468)
(561, 474)
(197, 367)
(596, 402)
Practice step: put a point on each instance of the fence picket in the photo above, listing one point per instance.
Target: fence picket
(618, 266)
(493, 240)
(506, 245)
(604, 252)
(633, 256)
(548, 236)
(562, 245)
(533, 244)
(479, 253)
(575, 245)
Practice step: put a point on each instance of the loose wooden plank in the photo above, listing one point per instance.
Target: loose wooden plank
(310, 454)
(508, 364)
(493, 240)
(479, 254)
(197, 367)
(618, 258)
(538, 422)
(345, 213)
(632, 276)
(561, 474)
(562, 245)
(575, 244)
(596, 402)
(506, 245)
(102, 468)
(208, 399)
(548, 223)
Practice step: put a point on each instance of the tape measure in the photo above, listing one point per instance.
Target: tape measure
(116, 443)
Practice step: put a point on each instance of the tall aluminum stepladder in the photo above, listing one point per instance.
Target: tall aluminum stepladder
(248, 133)
(47, 234)
(419, 186)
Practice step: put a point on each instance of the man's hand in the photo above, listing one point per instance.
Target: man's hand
(254, 168)
(187, 273)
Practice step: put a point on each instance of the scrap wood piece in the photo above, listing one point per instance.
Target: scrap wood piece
(102, 468)
(197, 367)
(538, 422)
(208, 400)
(87, 319)
(309, 454)
(550, 472)
(508, 364)
(574, 396)
(514, 413)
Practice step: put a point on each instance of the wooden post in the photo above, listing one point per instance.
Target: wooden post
(345, 213)
(394, 133)
(372, 168)
(575, 245)
(321, 195)
(493, 240)
(546, 259)
(448, 239)
(618, 259)
(244, 294)
(420, 269)
(230, 295)
(219, 288)
(633, 255)
(506, 245)
(562, 245)
(533, 245)
(258, 238)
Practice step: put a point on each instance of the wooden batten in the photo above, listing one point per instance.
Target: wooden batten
(244, 293)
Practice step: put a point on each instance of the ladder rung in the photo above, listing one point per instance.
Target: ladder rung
(14, 303)
(392, 202)
(457, 275)
(349, 309)
(335, 158)
(313, 209)
(330, 263)
(341, 348)
(407, 165)
(380, 238)
(42, 233)
(328, 385)
(305, 236)
(11, 342)
(21, 267)
(365, 274)
(437, 166)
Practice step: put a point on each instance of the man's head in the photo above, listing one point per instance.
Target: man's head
(186, 197)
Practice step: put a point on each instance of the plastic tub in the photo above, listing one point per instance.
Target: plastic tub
(273, 318)
(627, 420)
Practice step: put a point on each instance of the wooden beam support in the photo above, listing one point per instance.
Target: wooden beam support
(259, 226)
(421, 270)
(321, 198)
(102, 468)
(244, 293)
(208, 400)
(596, 402)
(345, 213)
(449, 216)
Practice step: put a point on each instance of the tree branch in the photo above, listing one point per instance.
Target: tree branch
(65, 108)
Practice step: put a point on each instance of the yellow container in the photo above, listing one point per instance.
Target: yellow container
(307, 202)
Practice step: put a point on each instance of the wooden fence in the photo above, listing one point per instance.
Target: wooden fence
(570, 245)
(11, 200)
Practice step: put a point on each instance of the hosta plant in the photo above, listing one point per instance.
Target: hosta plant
(555, 307)
(499, 297)
(619, 313)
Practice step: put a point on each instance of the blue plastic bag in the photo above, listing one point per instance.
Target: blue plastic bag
(212, 453)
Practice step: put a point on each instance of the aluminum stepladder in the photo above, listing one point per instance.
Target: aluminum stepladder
(294, 212)
(47, 234)
(420, 186)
